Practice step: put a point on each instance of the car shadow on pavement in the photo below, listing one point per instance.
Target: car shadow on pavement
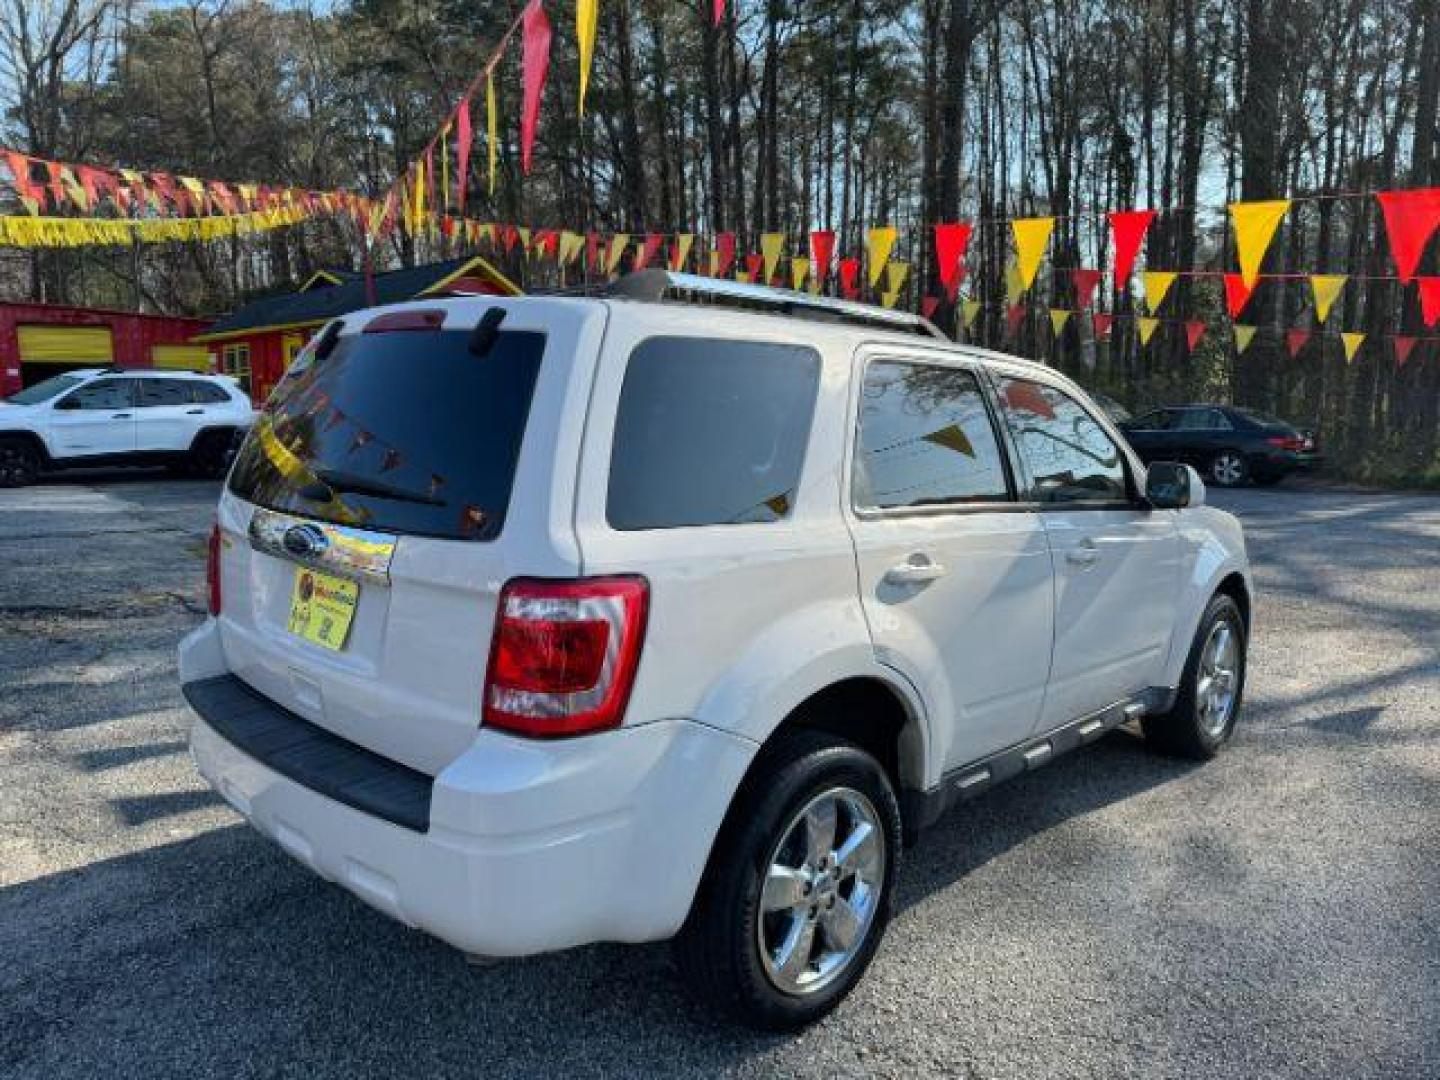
(219, 951)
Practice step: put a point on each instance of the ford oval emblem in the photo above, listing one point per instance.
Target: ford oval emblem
(305, 541)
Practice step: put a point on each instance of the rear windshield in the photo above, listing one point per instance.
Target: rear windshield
(404, 432)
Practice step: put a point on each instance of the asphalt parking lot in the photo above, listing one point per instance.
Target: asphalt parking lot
(1274, 913)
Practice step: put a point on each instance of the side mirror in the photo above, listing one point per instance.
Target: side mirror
(1172, 486)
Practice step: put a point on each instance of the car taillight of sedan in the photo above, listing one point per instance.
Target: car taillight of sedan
(1288, 442)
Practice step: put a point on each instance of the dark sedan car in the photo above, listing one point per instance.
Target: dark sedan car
(1228, 445)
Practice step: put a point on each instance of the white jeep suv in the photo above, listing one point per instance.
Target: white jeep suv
(553, 620)
(113, 416)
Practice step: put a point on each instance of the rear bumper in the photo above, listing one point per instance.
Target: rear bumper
(529, 846)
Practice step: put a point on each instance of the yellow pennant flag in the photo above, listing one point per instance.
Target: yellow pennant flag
(1031, 236)
(714, 265)
(799, 271)
(879, 241)
(952, 437)
(895, 275)
(771, 245)
(571, 244)
(1326, 288)
(1243, 336)
(742, 276)
(73, 188)
(524, 235)
(586, 12)
(1352, 343)
(1058, 318)
(683, 241)
(618, 243)
(1014, 285)
(1157, 284)
(196, 190)
(971, 310)
(492, 127)
(1147, 329)
(1255, 225)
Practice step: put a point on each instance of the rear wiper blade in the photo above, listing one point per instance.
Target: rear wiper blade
(364, 485)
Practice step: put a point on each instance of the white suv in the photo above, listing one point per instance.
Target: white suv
(551, 620)
(110, 416)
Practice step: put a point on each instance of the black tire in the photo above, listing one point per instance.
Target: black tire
(209, 457)
(19, 462)
(1188, 730)
(719, 948)
(1228, 468)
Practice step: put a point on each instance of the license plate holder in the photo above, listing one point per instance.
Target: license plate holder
(322, 607)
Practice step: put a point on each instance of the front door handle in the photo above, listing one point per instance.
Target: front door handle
(1083, 554)
(916, 570)
(120, 416)
(194, 412)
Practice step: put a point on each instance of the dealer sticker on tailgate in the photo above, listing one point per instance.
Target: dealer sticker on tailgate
(321, 607)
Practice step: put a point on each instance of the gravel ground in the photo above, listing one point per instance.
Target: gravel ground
(1274, 913)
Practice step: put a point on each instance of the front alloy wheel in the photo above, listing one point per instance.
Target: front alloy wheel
(1228, 469)
(19, 464)
(821, 892)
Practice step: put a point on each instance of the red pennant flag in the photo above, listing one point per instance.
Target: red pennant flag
(57, 189)
(25, 185)
(534, 68)
(717, 12)
(1411, 217)
(1024, 396)
(951, 239)
(1430, 300)
(592, 251)
(725, 245)
(462, 153)
(1295, 341)
(849, 272)
(1237, 294)
(1085, 283)
(548, 242)
(1013, 318)
(510, 238)
(653, 243)
(1103, 322)
(1194, 331)
(1128, 228)
(822, 250)
(928, 306)
(755, 267)
(1403, 344)
(431, 204)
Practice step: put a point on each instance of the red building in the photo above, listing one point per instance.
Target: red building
(40, 340)
(256, 343)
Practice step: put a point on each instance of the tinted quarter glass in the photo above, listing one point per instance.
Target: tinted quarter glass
(103, 394)
(925, 439)
(158, 392)
(1069, 456)
(406, 432)
(710, 432)
(203, 393)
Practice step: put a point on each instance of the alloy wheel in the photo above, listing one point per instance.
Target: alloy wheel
(1227, 469)
(1217, 682)
(17, 465)
(821, 891)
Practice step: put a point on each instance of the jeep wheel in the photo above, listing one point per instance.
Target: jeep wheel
(798, 891)
(1229, 469)
(19, 463)
(1203, 716)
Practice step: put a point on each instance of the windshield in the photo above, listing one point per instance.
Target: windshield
(405, 432)
(44, 391)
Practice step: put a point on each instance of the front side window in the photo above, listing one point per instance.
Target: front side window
(710, 432)
(155, 393)
(925, 439)
(1069, 456)
(101, 394)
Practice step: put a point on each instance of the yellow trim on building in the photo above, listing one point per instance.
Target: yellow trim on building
(65, 344)
(180, 357)
(251, 331)
(319, 276)
(487, 270)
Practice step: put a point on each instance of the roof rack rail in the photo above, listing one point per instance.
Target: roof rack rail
(657, 284)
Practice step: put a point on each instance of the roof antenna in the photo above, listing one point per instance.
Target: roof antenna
(482, 338)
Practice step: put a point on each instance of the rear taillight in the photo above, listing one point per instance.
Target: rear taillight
(1287, 442)
(564, 654)
(212, 570)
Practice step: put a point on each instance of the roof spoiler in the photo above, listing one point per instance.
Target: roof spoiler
(657, 284)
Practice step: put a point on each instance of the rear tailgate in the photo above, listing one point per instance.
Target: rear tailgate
(381, 503)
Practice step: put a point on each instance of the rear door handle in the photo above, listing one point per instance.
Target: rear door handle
(916, 570)
(120, 416)
(1083, 554)
(194, 412)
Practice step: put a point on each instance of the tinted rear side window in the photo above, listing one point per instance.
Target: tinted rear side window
(710, 432)
(405, 432)
(157, 392)
(203, 393)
